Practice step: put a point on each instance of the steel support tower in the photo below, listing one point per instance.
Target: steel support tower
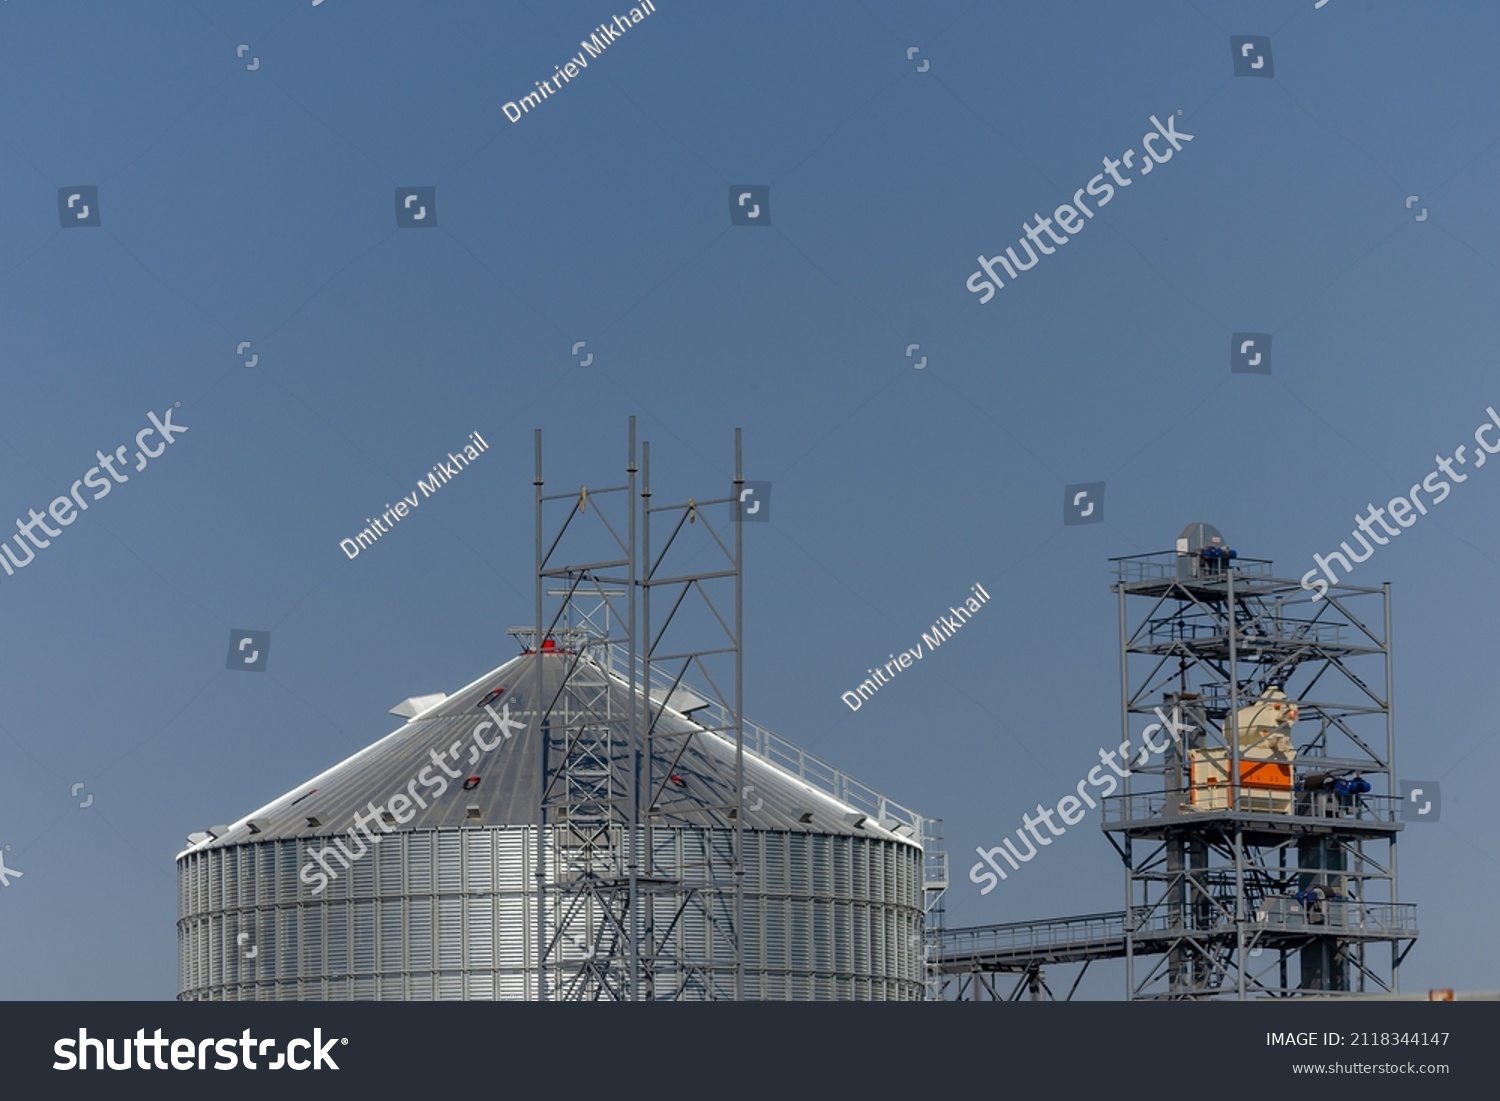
(607, 923)
(1255, 867)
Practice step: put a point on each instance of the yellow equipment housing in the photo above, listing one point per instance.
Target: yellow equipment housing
(1264, 730)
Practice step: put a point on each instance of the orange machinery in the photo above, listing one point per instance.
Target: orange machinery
(1264, 729)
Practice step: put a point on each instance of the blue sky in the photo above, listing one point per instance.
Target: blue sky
(257, 204)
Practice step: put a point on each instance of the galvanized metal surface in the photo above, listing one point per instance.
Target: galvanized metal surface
(448, 914)
(506, 791)
(559, 829)
(442, 905)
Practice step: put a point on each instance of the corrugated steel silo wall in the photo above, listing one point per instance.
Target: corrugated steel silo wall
(447, 914)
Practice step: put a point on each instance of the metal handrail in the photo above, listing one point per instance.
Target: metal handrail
(788, 756)
(1033, 935)
(1151, 923)
(1162, 566)
(1206, 626)
(1143, 806)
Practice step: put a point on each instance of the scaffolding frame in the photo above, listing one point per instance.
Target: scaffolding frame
(1218, 884)
(605, 919)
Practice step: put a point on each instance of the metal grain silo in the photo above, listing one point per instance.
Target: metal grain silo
(410, 870)
(578, 824)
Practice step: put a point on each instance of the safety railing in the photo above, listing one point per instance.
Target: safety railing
(1376, 919)
(1162, 566)
(1302, 805)
(813, 770)
(1034, 937)
(1106, 932)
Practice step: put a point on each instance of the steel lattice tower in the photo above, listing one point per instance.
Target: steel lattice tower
(615, 829)
(608, 925)
(1257, 862)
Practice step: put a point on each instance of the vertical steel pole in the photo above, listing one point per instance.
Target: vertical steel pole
(1234, 783)
(1239, 911)
(648, 856)
(1129, 854)
(739, 727)
(636, 922)
(540, 858)
(1234, 694)
(1392, 787)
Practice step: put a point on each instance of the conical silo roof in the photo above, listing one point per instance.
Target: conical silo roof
(473, 759)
